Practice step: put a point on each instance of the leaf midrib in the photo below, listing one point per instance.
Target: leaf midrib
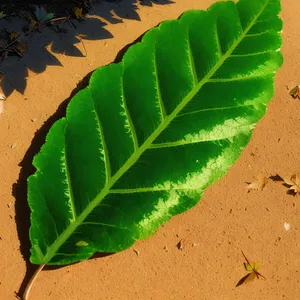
(52, 250)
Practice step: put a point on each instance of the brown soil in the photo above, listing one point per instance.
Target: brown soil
(227, 220)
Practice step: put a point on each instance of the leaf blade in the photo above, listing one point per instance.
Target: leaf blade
(202, 159)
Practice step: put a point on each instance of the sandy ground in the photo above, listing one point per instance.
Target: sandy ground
(226, 221)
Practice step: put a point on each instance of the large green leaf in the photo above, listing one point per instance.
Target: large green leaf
(149, 134)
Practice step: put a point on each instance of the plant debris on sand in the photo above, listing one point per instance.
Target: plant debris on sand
(52, 14)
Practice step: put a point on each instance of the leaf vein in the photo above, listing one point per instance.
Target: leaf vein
(69, 183)
(103, 224)
(158, 91)
(150, 189)
(188, 142)
(258, 33)
(128, 116)
(239, 78)
(104, 145)
(219, 48)
(214, 109)
(192, 61)
(252, 54)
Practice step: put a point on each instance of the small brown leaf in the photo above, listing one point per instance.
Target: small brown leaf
(180, 244)
(295, 92)
(293, 182)
(22, 47)
(246, 279)
(13, 36)
(287, 180)
(136, 252)
(251, 267)
(259, 183)
(33, 23)
(296, 178)
(78, 12)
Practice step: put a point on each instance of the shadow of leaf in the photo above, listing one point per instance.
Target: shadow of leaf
(242, 280)
(41, 44)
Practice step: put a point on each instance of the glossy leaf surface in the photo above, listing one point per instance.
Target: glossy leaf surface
(149, 134)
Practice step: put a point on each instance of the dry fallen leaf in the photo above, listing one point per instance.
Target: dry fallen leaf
(22, 47)
(33, 23)
(259, 183)
(136, 252)
(13, 36)
(252, 268)
(180, 244)
(293, 182)
(78, 12)
(295, 92)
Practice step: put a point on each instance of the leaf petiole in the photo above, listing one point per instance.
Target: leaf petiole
(31, 282)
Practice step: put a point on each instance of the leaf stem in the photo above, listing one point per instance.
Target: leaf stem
(31, 282)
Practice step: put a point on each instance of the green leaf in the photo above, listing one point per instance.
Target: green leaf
(248, 267)
(256, 266)
(2, 15)
(149, 134)
(41, 14)
(49, 16)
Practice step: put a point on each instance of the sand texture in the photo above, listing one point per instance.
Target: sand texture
(226, 221)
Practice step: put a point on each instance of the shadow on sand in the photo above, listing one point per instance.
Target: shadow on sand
(62, 39)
